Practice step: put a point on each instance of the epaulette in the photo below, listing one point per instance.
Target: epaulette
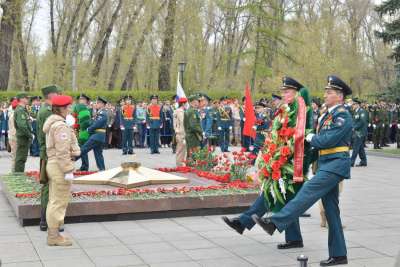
(341, 109)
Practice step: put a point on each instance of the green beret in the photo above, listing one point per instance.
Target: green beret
(22, 95)
(51, 89)
(193, 97)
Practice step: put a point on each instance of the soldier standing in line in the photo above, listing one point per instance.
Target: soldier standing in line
(12, 138)
(224, 124)
(167, 128)
(261, 127)
(211, 130)
(193, 130)
(85, 100)
(360, 125)
(97, 131)
(204, 107)
(179, 129)
(61, 147)
(377, 126)
(24, 133)
(154, 124)
(127, 123)
(33, 111)
(44, 112)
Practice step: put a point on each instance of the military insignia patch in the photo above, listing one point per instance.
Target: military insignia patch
(340, 122)
(63, 136)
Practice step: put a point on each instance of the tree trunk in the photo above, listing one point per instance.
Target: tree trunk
(21, 49)
(99, 58)
(7, 29)
(167, 50)
(129, 77)
(117, 60)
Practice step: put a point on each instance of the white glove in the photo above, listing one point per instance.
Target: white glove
(134, 128)
(230, 127)
(374, 126)
(254, 127)
(398, 126)
(219, 128)
(244, 119)
(70, 120)
(33, 137)
(309, 137)
(122, 128)
(383, 125)
(369, 125)
(69, 176)
(148, 127)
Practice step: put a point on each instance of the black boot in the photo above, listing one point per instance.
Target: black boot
(265, 224)
(43, 223)
(234, 223)
(291, 244)
(332, 261)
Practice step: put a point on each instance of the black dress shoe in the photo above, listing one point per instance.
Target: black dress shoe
(131, 153)
(265, 224)
(361, 165)
(124, 153)
(291, 244)
(234, 224)
(332, 261)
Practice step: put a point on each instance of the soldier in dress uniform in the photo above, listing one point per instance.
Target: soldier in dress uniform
(193, 130)
(360, 125)
(61, 147)
(127, 120)
(378, 125)
(166, 131)
(154, 119)
(12, 138)
(33, 111)
(211, 130)
(85, 100)
(293, 237)
(24, 133)
(97, 131)
(225, 123)
(332, 140)
(179, 129)
(204, 107)
(44, 112)
(261, 127)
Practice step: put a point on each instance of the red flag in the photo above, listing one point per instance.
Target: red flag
(249, 114)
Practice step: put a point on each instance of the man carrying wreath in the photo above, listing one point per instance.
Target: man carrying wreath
(283, 162)
(332, 141)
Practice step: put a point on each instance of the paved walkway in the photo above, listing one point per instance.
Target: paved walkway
(370, 211)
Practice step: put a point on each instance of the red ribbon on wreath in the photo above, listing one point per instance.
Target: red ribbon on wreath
(299, 141)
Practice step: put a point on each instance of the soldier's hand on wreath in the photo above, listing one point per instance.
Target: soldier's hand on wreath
(69, 176)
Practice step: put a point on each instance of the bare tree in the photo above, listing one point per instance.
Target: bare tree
(11, 11)
(168, 48)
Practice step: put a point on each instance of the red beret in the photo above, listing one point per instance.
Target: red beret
(14, 103)
(61, 100)
(182, 100)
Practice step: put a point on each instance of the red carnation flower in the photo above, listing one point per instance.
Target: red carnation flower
(276, 165)
(266, 157)
(276, 175)
(265, 172)
(285, 151)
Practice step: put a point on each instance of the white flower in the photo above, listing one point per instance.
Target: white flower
(282, 187)
(272, 194)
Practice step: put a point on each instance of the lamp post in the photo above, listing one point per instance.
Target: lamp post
(182, 67)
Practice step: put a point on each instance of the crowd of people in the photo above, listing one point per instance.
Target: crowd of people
(61, 130)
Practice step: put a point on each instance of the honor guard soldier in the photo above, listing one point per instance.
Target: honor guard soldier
(360, 125)
(332, 140)
(33, 111)
(211, 128)
(224, 124)
(24, 133)
(97, 131)
(204, 107)
(261, 127)
(61, 147)
(193, 130)
(154, 124)
(44, 112)
(127, 125)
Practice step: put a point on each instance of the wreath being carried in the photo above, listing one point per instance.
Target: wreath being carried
(285, 158)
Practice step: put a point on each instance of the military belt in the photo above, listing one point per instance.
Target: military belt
(333, 150)
(225, 119)
(100, 130)
(154, 118)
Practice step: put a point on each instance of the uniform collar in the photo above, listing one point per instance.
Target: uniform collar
(332, 108)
